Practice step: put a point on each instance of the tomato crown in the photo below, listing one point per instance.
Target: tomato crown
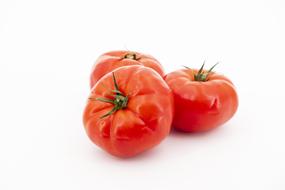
(131, 55)
(120, 101)
(202, 75)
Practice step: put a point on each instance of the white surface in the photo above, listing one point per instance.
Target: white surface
(47, 49)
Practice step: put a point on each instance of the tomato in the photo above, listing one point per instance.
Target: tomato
(129, 111)
(203, 99)
(115, 59)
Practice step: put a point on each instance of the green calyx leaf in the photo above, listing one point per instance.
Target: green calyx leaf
(202, 75)
(120, 101)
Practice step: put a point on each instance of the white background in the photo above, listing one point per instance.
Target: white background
(47, 49)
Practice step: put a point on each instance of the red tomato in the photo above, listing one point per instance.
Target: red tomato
(115, 59)
(129, 110)
(203, 99)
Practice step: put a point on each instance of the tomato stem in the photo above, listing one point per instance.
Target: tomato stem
(130, 55)
(120, 101)
(202, 75)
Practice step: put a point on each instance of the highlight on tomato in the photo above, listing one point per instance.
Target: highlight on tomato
(109, 61)
(203, 99)
(129, 111)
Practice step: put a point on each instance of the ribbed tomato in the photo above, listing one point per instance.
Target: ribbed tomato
(203, 99)
(115, 59)
(129, 110)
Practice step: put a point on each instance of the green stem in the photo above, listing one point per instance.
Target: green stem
(120, 101)
(202, 75)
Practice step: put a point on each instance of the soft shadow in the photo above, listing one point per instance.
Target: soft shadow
(181, 134)
(144, 156)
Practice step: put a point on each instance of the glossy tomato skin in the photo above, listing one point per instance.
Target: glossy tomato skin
(144, 123)
(201, 106)
(109, 61)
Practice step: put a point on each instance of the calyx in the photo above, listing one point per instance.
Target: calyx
(202, 75)
(119, 101)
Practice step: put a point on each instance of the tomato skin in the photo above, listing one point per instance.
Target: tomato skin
(143, 124)
(201, 106)
(109, 61)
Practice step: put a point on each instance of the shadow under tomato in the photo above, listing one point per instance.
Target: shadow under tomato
(146, 155)
(205, 134)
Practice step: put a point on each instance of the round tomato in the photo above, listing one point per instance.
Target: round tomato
(115, 59)
(203, 99)
(129, 110)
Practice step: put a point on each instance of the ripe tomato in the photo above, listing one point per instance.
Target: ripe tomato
(115, 59)
(203, 99)
(129, 110)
